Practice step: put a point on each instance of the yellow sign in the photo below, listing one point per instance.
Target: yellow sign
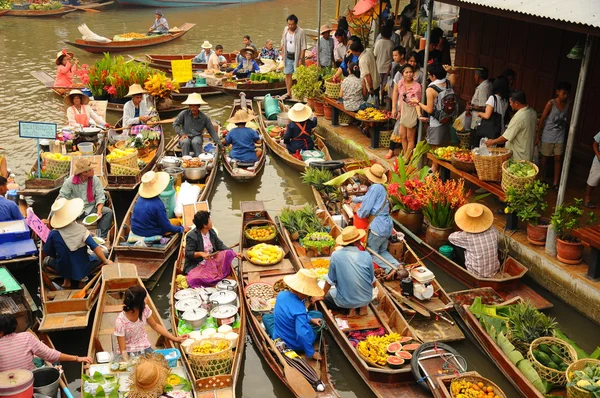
(182, 70)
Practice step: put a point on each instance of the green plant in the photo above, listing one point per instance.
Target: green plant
(114, 75)
(307, 82)
(405, 178)
(304, 221)
(526, 323)
(528, 203)
(422, 26)
(567, 217)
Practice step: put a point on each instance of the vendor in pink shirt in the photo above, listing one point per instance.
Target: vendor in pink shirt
(66, 67)
(18, 349)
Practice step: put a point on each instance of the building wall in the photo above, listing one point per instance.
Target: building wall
(537, 53)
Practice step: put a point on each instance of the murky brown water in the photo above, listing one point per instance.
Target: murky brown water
(31, 44)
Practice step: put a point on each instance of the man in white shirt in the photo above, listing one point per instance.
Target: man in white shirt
(216, 59)
(367, 66)
(293, 49)
(483, 91)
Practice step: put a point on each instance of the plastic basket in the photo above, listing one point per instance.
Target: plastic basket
(344, 118)
(574, 391)
(478, 379)
(464, 139)
(120, 170)
(57, 167)
(489, 168)
(384, 138)
(166, 351)
(129, 160)
(210, 365)
(518, 183)
(332, 90)
(468, 167)
(568, 355)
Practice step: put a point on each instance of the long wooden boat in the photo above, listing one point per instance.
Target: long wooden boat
(252, 89)
(278, 148)
(4, 12)
(39, 13)
(93, 5)
(44, 338)
(244, 174)
(251, 273)
(61, 310)
(163, 61)
(130, 45)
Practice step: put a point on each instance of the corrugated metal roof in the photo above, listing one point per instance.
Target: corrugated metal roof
(586, 12)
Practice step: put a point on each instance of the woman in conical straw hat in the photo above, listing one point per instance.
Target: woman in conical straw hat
(476, 246)
(137, 110)
(67, 244)
(66, 67)
(298, 135)
(290, 321)
(247, 64)
(149, 218)
(243, 139)
(79, 113)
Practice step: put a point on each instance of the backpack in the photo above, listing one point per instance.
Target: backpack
(445, 107)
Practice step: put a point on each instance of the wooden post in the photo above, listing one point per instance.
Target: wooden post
(396, 10)
(318, 31)
(337, 10)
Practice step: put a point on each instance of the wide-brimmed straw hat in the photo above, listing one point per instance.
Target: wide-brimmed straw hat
(325, 28)
(299, 113)
(304, 281)
(69, 98)
(82, 165)
(242, 116)
(135, 89)
(148, 377)
(474, 218)
(61, 54)
(65, 211)
(251, 49)
(206, 44)
(153, 183)
(194, 99)
(376, 174)
(349, 235)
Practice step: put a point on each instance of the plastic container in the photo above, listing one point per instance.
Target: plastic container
(17, 383)
(45, 381)
(447, 251)
(272, 108)
(86, 148)
(168, 354)
(283, 119)
(168, 198)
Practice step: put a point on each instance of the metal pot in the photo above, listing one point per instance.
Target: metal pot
(176, 173)
(224, 297)
(188, 304)
(170, 161)
(227, 284)
(185, 294)
(194, 173)
(195, 318)
(224, 314)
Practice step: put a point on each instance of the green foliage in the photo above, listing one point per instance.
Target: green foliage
(422, 26)
(567, 217)
(117, 73)
(304, 221)
(318, 178)
(317, 240)
(307, 82)
(529, 203)
(43, 174)
(526, 323)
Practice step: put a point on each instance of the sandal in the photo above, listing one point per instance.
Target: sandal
(590, 205)
(388, 156)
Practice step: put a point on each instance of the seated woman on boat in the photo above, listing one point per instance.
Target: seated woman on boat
(205, 54)
(66, 68)
(130, 326)
(149, 218)
(298, 136)
(79, 113)
(86, 186)
(190, 125)
(243, 139)
(248, 64)
(290, 321)
(136, 112)
(9, 210)
(17, 350)
(352, 90)
(67, 244)
(269, 52)
(160, 26)
(476, 246)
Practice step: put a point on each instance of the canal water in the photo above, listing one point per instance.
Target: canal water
(31, 44)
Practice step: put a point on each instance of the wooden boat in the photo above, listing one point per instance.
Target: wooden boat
(130, 45)
(44, 338)
(4, 12)
(93, 5)
(252, 89)
(39, 13)
(251, 273)
(61, 310)
(278, 148)
(245, 174)
(163, 61)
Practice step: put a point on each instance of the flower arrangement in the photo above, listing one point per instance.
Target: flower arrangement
(403, 196)
(439, 200)
(160, 86)
(406, 179)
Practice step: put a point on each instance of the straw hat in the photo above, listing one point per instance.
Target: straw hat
(376, 174)
(251, 49)
(242, 116)
(148, 377)
(153, 183)
(304, 281)
(60, 54)
(69, 98)
(325, 28)
(206, 44)
(299, 112)
(135, 89)
(65, 211)
(82, 165)
(349, 235)
(474, 218)
(194, 99)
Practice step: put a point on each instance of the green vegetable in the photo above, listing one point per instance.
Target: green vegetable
(531, 375)
(556, 359)
(526, 323)
(552, 365)
(521, 169)
(542, 357)
(317, 240)
(515, 357)
(544, 348)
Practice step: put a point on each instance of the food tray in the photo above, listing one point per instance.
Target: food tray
(252, 289)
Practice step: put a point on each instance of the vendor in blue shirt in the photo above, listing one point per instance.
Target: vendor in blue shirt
(205, 54)
(243, 139)
(248, 64)
(67, 244)
(9, 211)
(160, 26)
(298, 135)
(375, 203)
(348, 59)
(149, 216)
(290, 321)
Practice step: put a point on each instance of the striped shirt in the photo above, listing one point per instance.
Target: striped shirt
(18, 349)
(481, 251)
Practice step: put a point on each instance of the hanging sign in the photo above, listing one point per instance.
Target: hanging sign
(182, 70)
(37, 130)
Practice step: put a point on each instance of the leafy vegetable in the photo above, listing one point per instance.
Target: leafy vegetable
(317, 240)
(587, 379)
(521, 169)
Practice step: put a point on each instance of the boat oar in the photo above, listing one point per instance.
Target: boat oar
(80, 8)
(65, 388)
(166, 121)
(219, 251)
(81, 294)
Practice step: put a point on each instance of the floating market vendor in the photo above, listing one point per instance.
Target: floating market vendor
(149, 218)
(298, 135)
(190, 125)
(290, 321)
(88, 187)
(9, 210)
(79, 113)
(476, 246)
(67, 244)
(269, 52)
(66, 68)
(248, 64)
(205, 54)
(160, 26)
(243, 139)
(136, 112)
(17, 350)
(216, 60)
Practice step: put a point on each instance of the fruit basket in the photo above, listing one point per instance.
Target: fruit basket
(550, 358)
(264, 254)
(57, 164)
(465, 382)
(460, 160)
(260, 231)
(210, 357)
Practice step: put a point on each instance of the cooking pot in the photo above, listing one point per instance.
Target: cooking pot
(227, 284)
(224, 297)
(194, 173)
(188, 304)
(16, 383)
(205, 292)
(195, 318)
(89, 131)
(185, 294)
(176, 173)
(170, 161)
(224, 314)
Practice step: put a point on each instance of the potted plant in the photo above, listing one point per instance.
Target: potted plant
(565, 219)
(528, 204)
(307, 84)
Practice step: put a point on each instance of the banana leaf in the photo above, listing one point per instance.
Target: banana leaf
(339, 180)
(530, 374)
(515, 356)
(581, 354)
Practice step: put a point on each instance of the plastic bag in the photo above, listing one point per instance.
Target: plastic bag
(483, 151)
(183, 328)
(459, 123)
(188, 194)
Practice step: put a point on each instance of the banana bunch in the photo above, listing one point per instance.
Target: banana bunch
(119, 153)
(374, 348)
(57, 156)
(371, 114)
(181, 282)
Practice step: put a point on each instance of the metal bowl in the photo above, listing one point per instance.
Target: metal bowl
(194, 173)
(170, 161)
(89, 131)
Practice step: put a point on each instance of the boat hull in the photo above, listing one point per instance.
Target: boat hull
(180, 3)
(39, 13)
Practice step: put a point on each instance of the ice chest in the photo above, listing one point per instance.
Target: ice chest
(21, 248)
(13, 231)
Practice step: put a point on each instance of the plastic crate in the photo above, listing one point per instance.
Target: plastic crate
(166, 351)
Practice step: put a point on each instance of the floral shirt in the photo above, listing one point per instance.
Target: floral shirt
(136, 337)
(269, 54)
(352, 92)
(208, 247)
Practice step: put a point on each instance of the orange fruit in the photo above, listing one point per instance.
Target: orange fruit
(480, 384)
(490, 389)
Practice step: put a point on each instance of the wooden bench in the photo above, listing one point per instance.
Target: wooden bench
(374, 126)
(591, 236)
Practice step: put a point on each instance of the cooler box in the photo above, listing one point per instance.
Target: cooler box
(13, 231)
(21, 248)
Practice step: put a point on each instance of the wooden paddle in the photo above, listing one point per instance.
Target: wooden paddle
(80, 8)
(166, 121)
(219, 251)
(81, 294)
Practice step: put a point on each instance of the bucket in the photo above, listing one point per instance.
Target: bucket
(45, 381)
(17, 383)
(447, 251)
(201, 82)
(86, 148)
(176, 173)
(13, 196)
(87, 92)
(272, 109)
(282, 119)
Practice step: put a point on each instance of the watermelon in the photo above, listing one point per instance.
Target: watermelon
(395, 362)
(394, 347)
(405, 339)
(410, 347)
(404, 354)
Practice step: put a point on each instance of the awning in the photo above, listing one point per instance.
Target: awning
(363, 6)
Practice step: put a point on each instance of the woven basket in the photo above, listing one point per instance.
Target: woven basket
(120, 170)
(384, 138)
(464, 166)
(259, 223)
(574, 391)
(520, 346)
(209, 365)
(58, 167)
(568, 355)
(464, 139)
(478, 379)
(129, 160)
(332, 90)
(344, 118)
(489, 168)
(518, 183)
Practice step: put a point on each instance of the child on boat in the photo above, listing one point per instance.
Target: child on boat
(130, 327)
